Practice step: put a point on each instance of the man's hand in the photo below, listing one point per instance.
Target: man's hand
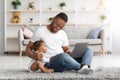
(38, 56)
(30, 52)
(67, 49)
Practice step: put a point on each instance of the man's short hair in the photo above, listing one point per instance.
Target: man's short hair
(63, 16)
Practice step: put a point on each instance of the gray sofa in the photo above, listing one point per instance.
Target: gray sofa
(75, 35)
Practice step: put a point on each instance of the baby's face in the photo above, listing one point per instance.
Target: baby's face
(43, 47)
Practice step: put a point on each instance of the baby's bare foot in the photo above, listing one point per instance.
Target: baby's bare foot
(50, 70)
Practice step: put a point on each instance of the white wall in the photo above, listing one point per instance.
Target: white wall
(1, 26)
(115, 25)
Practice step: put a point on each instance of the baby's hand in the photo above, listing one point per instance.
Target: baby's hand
(51, 58)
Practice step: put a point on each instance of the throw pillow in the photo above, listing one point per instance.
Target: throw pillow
(27, 33)
(94, 33)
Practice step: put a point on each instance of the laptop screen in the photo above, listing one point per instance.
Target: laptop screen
(79, 50)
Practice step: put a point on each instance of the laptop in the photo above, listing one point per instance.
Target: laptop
(79, 50)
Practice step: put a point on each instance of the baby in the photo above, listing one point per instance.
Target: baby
(39, 47)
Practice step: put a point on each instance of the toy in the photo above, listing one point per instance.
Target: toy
(16, 17)
(31, 20)
(32, 6)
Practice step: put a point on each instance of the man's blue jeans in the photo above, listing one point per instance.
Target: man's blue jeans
(64, 61)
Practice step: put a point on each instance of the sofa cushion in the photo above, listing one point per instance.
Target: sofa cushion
(77, 32)
(94, 33)
(25, 41)
(89, 41)
(32, 28)
(74, 41)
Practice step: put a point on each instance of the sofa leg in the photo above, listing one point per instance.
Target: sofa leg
(102, 52)
(20, 53)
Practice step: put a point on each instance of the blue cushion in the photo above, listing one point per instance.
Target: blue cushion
(94, 33)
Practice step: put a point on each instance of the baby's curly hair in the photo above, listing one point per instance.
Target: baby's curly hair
(37, 44)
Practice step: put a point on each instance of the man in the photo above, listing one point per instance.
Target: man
(58, 51)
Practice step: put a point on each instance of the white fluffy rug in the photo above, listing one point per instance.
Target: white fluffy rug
(105, 74)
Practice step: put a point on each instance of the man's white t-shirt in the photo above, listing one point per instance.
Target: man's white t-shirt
(53, 41)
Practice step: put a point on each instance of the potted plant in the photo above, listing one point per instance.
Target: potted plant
(102, 17)
(16, 3)
(62, 5)
(50, 19)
